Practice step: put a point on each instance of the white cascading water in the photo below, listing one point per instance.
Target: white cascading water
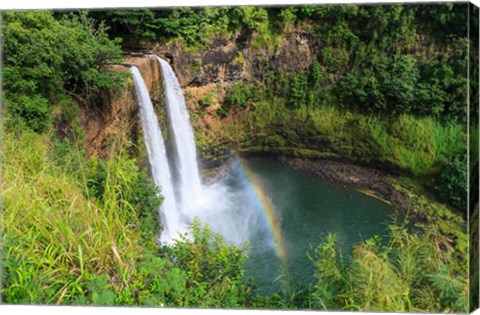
(189, 183)
(231, 212)
(157, 158)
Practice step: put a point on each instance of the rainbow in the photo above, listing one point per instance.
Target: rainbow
(268, 209)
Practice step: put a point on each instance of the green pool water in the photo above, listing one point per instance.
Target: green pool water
(307, 209)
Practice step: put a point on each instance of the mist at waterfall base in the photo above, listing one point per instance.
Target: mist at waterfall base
(278, 211)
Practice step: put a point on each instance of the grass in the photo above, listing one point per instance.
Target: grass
(55, 238)
(416, 271)
(83, 231)
(417, 146)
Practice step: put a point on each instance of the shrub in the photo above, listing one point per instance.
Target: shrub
(241, 96)
(222, 111)
(297, 90)
(34, 111)
(48, 57)
(412, 270)
(452, 184)
(206, 100)
(383, 85)
(214, 269)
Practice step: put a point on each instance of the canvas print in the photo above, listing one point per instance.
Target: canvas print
(304, 157)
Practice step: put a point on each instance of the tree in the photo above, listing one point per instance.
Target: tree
(47, 58)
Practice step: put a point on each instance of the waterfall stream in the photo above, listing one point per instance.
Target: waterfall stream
(157, 158)
(228, 211)
(232, 211)
(189, 186)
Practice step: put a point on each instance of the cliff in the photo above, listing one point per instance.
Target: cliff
(209, 72)
(117, 108)
(209, 75)
(229, 59)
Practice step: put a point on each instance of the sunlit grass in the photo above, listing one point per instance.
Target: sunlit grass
(415, 271)
(417, 145)
(55, 238)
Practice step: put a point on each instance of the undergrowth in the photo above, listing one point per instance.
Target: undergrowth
(57, 239)
(84, 231)
(417, 146)
(416, 271)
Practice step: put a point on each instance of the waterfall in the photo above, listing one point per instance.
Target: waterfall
(189, 185)
(178, 171)
(157, 158)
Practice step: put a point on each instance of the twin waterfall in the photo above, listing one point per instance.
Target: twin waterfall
(181, 192)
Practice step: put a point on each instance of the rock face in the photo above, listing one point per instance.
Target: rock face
(228, 60)
(296, 52)
(210, 72)
(117, 109)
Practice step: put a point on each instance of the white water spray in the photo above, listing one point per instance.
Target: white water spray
(157, 158)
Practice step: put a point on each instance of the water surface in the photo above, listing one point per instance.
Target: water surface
(306, 208)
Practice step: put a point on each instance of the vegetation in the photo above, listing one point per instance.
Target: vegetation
(241, 96)
(409, 274)
(68, 59)
(58, 241)
(196, 27)
(453, 183)
(78, 231)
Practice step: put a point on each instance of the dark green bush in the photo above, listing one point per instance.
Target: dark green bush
(241, 96)
(206, 100)
(297, 90)
(146, 198)
(48, 57)
(141, 23)
(452, 185)
(34, 111)
(214, 269)
(222, 111)
(439, 91)
(383, 85)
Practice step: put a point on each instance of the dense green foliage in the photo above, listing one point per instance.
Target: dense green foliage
(48, 60)
(215, 270)
(453, 183)
(241, 96)
(196, 27)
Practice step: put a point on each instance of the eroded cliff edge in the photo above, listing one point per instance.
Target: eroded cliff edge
(117, 111)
